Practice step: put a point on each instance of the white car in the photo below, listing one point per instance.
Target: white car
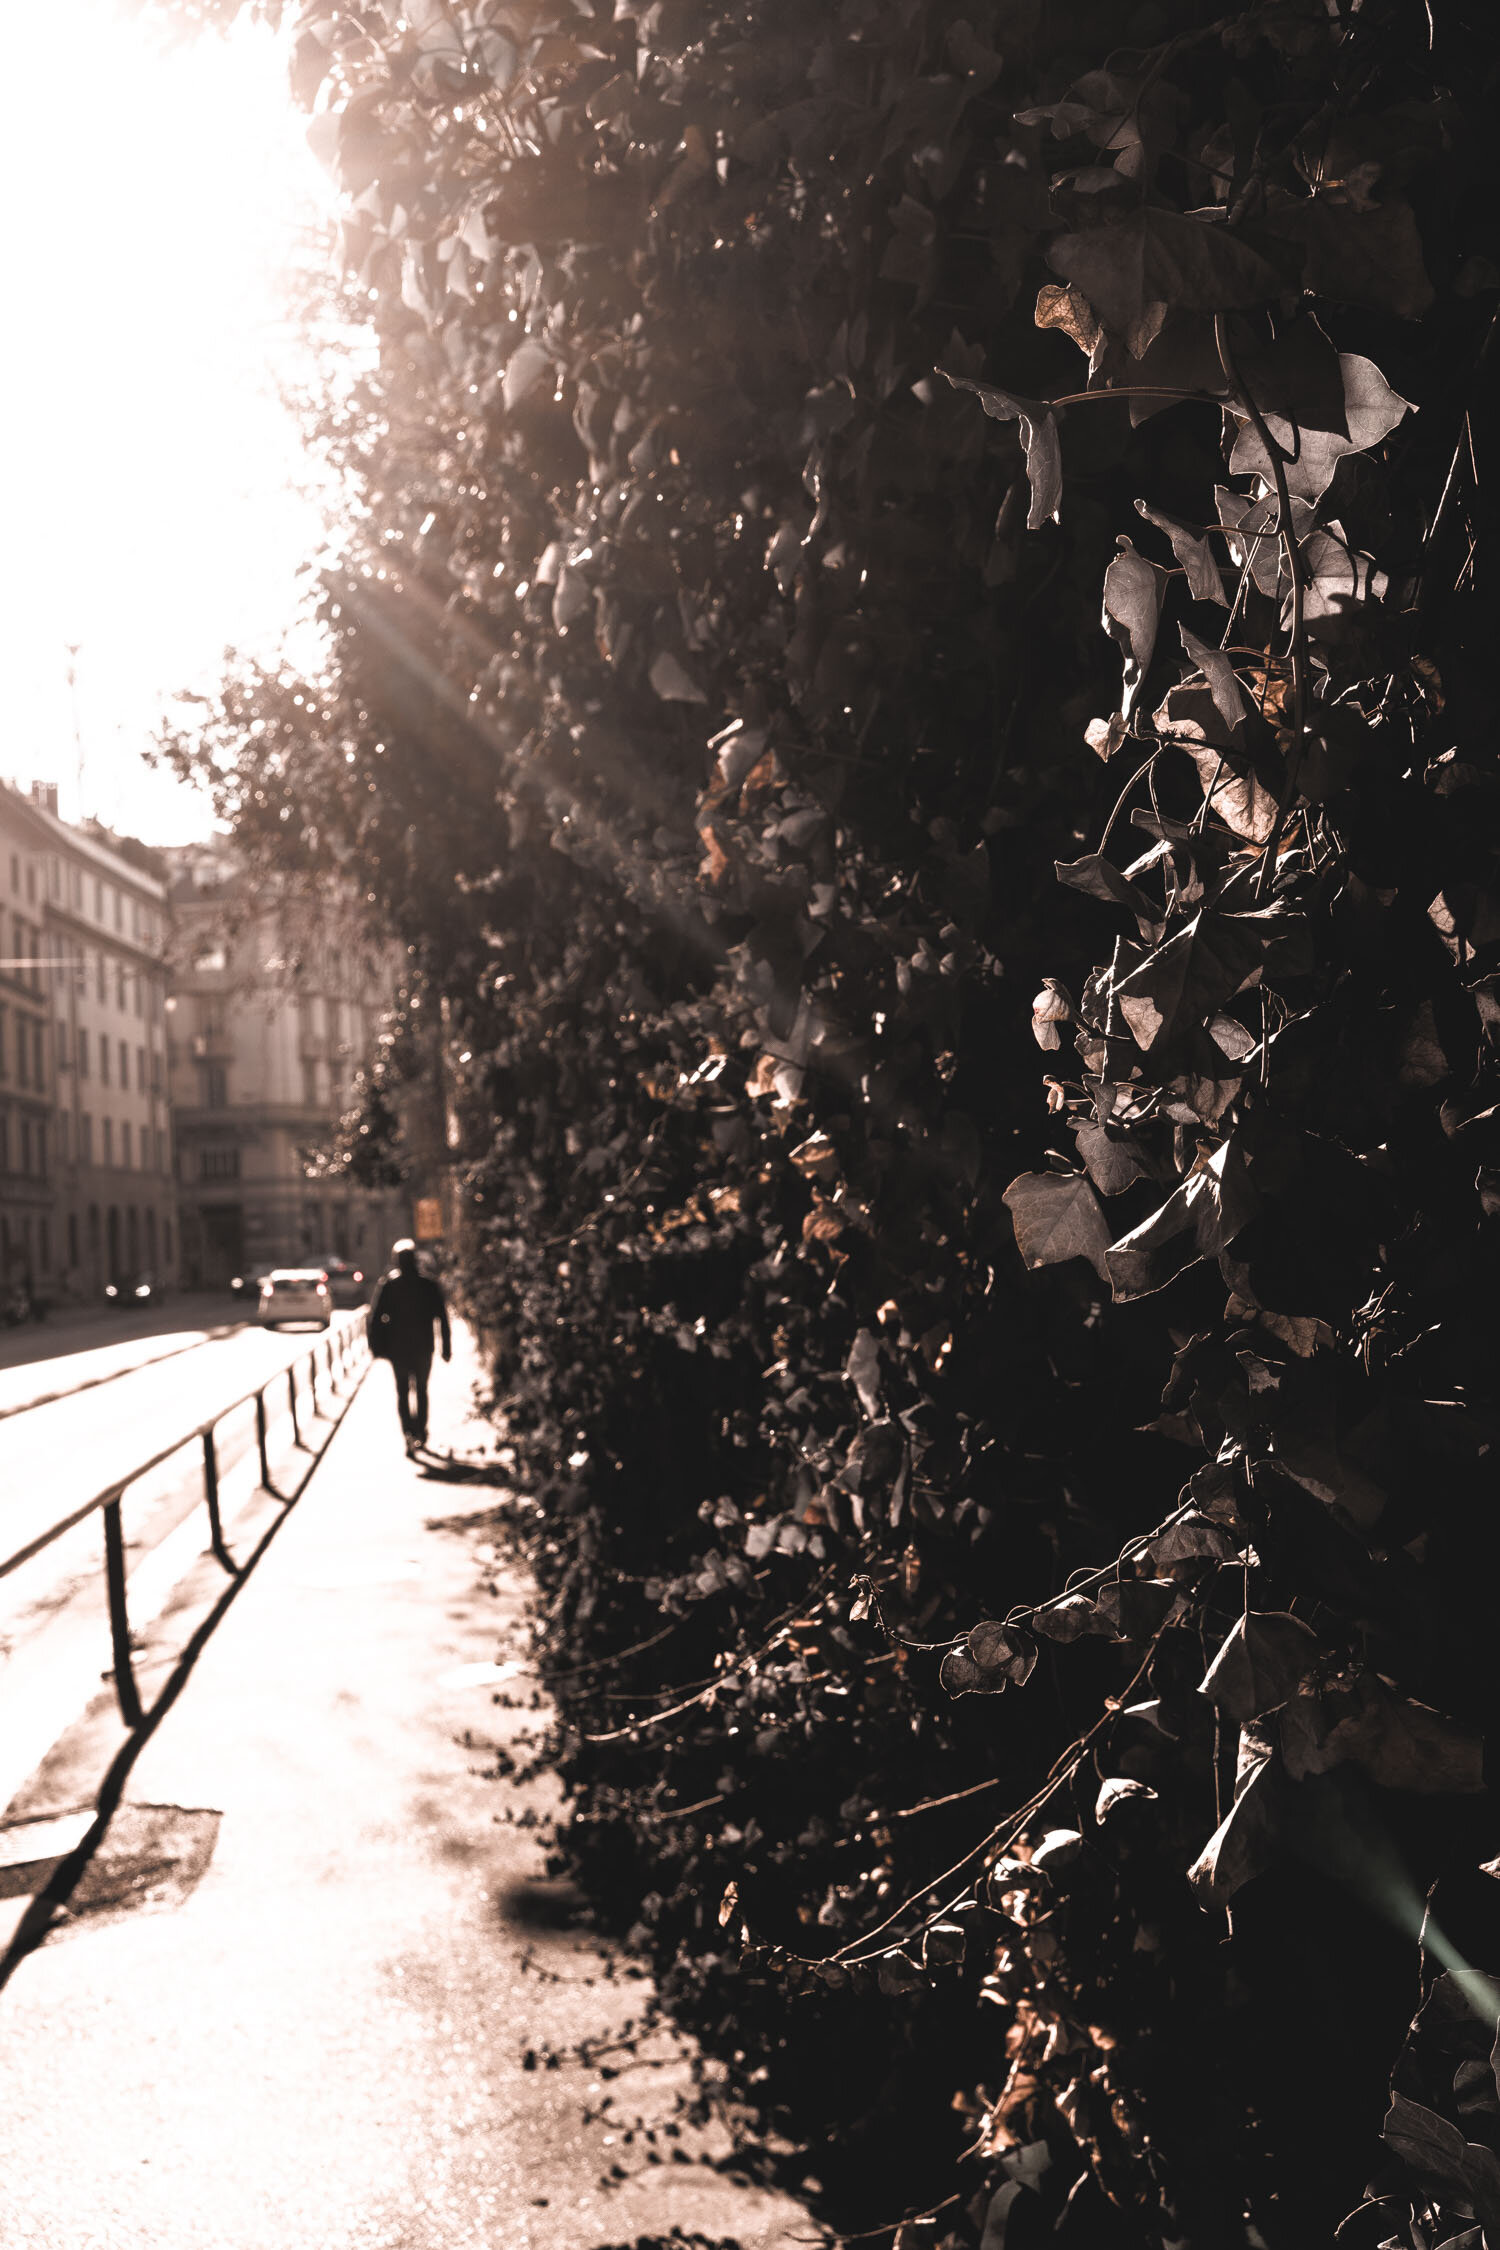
(294, 1293)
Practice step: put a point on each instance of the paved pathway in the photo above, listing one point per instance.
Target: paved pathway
(323, 2044)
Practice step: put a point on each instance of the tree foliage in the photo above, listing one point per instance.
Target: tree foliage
(769, 407)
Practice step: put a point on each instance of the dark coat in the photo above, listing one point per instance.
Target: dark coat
(406, 1307)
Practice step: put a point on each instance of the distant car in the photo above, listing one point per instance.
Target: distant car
(138, 1294)
(295, 1293)
(346, 1281)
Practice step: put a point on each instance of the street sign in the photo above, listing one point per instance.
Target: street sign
(429, 1218)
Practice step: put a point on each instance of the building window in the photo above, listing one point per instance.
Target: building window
(101, 974)
(26, 1146)
(85, 1139)
(124, 1064)
(83, 1051)
(62, 1045)
(103, 1060)
(125, 1143)
(38, 1054)
(119, 910)
(109, 1140)
(140, 1070)
(65, 1136)
(161, 1151)
(214, 1085)
(23, 1052)
(218, 1163)
(41, 1148)
(120, 986)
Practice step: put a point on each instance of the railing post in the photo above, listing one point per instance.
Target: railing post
(211, 1496)
(126, 1693)
(312, 1380)
(260, 1442)
(291, 1393)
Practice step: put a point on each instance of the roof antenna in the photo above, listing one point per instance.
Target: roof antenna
(73, 649)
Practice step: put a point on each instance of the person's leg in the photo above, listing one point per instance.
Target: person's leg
(419, 1375)
(402, 1374)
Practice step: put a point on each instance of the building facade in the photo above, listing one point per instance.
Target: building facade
(276, 1003)
(28, 1237)
(86, 1190)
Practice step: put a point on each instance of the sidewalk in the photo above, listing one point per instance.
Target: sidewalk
(324, 2018)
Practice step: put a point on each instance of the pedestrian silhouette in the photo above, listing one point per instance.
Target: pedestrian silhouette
(408, 1305)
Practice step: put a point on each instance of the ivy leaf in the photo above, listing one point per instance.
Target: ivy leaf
(1057, 1217)
(1068, 1619)
(1183, 982)
(1244, 1843)
(1192, 1539)
(1371, 411)
(1223, 680)
(862, 1369)
(1198, 1220)
(1158, 258)
(1133, 590)
(1263, 1660)
(1189, 716)
(1118, 1790)
(1371, 257)
(993, 1657)
(1111, 1164)
(1443, 2161)
(672, 681)
(1398, 1743)
(1058, 306)
(1193, 552)
(1133, 1608)
(1099, 878)
(1038, 426)
(527, 364)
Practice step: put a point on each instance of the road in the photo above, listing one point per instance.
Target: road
(108, 1408)
(78, 1341)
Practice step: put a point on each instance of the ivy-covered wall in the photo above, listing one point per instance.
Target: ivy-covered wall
(976, 1129)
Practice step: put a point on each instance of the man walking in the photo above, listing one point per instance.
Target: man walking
(407, 1305)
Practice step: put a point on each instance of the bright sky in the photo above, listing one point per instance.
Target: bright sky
(155, 196)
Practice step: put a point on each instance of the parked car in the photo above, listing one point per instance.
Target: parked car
(295, 1293)
(140, 1293)
(245, 1285)
(346, 1282)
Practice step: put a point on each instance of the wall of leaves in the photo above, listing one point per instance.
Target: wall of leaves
(909, 661)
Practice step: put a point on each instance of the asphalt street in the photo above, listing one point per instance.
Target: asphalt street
(318, 1991)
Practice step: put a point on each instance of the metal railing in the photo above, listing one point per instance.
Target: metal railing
(345, 1355)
